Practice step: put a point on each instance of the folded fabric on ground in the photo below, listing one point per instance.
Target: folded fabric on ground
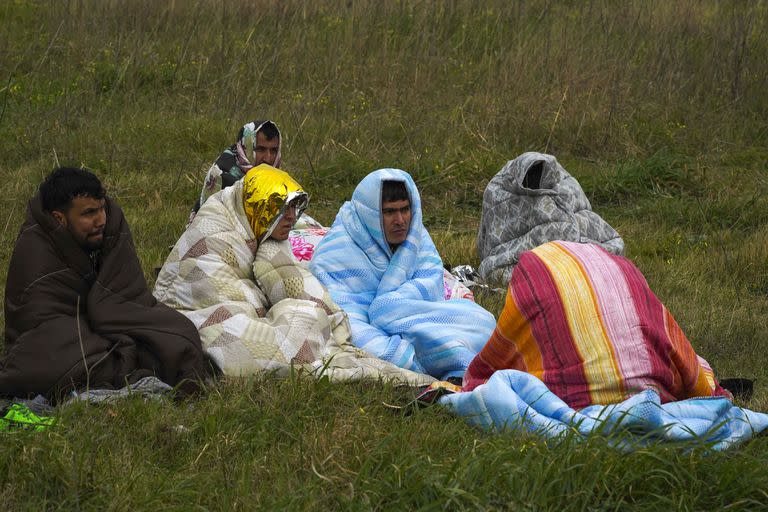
(395, 300)
(531, 201)
(257, 310)
(38, 405)
(587, 324)
(147, 387)
(39, 413)
(512, 400)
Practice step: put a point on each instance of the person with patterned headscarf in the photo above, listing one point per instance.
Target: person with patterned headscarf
(258, 142)
(233, 274)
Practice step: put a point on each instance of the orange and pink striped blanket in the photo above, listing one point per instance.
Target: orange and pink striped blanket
(586, 323)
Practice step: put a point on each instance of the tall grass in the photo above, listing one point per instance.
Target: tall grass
(387, 81)
(658, 108)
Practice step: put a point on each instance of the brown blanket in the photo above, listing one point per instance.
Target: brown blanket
(69, 327)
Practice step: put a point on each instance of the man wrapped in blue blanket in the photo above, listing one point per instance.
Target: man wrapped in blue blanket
(381, 266)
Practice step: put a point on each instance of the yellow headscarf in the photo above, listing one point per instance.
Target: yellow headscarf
(266, 192)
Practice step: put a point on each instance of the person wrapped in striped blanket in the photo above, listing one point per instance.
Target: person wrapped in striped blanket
(380, 265)
(586, 323)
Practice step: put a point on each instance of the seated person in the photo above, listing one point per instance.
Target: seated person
(586, 323)
(258, 142)
(380, 265)
(530, 201)
(78, 313)
(233, 274)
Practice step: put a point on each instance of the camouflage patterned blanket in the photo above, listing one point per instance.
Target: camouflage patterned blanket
(531, 201)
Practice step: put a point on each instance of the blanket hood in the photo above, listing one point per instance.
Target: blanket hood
(267, 192)
(364, 210)
(232, 199)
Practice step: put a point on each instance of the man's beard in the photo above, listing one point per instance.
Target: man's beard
(93, 246)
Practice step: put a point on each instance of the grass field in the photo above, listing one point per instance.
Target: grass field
(658, 108)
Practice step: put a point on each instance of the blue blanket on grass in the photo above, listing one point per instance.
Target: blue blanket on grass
(514, 400)
(395, 300)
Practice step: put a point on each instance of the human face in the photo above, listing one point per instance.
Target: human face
(396, 216)
(285, 224)
(265, 151)
(85, 221)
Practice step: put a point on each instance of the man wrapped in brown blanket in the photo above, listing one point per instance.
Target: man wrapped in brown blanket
(78, 313)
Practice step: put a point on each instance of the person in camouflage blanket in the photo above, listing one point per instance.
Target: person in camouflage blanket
(533, 200)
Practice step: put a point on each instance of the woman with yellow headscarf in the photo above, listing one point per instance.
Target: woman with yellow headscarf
(271, 199)
(234, 275)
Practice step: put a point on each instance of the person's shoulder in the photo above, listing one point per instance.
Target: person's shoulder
(217, 227)
(33, 240)
(34, 257)
(227, 162)
(220, 209)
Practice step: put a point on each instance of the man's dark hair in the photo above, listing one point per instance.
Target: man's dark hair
(393, 191)
(269, 130)
(66, 183)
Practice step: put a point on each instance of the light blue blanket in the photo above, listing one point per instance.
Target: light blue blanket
(514, 400)
(395, 300)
